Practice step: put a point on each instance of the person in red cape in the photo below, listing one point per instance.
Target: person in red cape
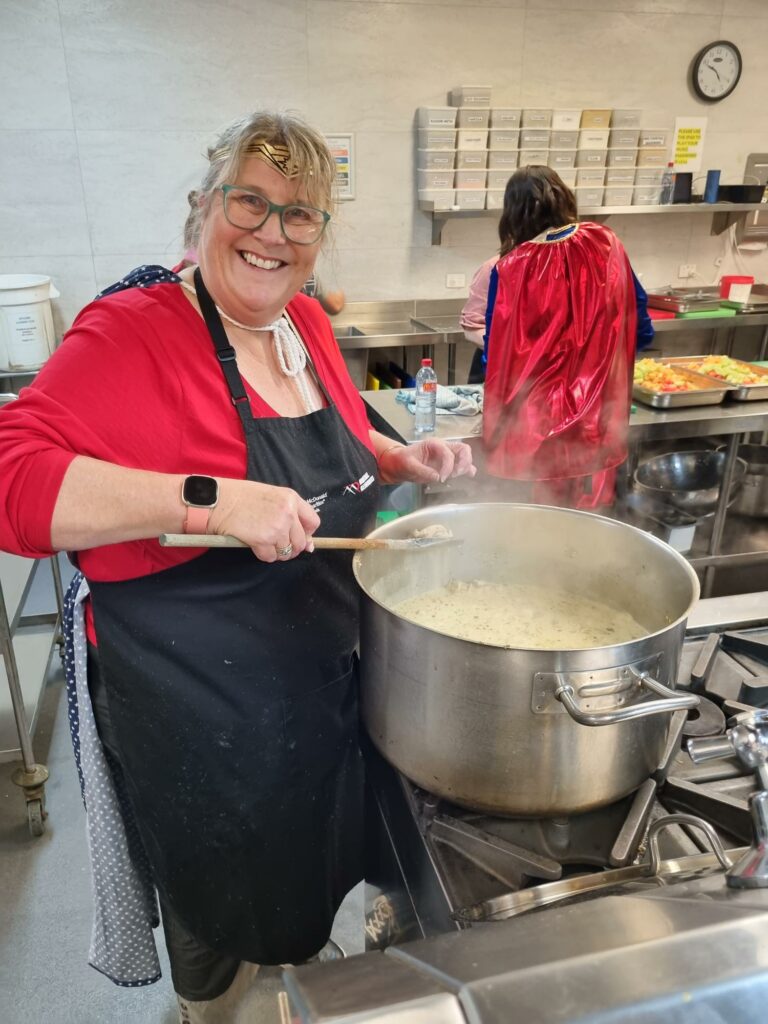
(561, 349)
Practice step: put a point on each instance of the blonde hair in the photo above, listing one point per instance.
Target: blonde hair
(308, 154)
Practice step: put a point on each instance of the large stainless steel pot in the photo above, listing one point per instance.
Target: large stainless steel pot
(523, 732)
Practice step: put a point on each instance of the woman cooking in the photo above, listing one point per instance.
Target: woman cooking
(222, 681)
(561, 348)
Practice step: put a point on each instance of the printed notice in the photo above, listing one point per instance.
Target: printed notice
(342, 148)
(688, 143)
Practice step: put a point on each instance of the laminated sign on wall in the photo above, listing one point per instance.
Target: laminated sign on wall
(688, 143)
(341, 147)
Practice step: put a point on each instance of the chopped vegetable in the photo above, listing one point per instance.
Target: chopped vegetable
(733, 371)
(655, 376)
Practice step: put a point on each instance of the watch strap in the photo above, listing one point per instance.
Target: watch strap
(197, 519)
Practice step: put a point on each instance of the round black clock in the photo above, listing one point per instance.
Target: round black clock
(716, 71)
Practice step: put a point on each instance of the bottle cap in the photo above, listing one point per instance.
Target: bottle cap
(426, 362)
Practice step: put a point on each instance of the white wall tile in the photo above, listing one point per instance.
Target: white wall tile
(372, 64)
(72, 275)
(33, 75)
(182, 65)
(633, 6)
(41, 200)
(136, 184)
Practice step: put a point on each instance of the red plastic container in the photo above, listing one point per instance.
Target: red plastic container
(742, 294)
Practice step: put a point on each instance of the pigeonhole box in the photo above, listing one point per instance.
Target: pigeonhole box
(471, 96)
(622, 157)
(615, 195)
(474, 179)
(470, 198)
(435, 179)
(441, 199)
(646, 195)
(564, 139)
(530, 157)
(473, 117)
(471, 159)
(436, 117)
(435, 159)
(652, 157)
(621, 177)
(566, 120)
(568, 176)
(503, 159)
(494, 199)
(589, 195)
(437, 138)
(504, 138)
(649, 176)
(499, 179)
(505, 117)
(595, 119)
(591, 157)
(654, 138)
(623, 138)
(590, 176)
(626, 118)
(560, 158)
(593, 138)
(536, 117)
(472, 138)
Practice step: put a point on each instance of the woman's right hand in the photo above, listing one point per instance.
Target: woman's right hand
(268, 519)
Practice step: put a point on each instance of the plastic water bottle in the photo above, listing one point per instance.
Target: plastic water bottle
(667, 185)
(426, 398)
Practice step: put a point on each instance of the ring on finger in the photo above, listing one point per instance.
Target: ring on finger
(284, 552)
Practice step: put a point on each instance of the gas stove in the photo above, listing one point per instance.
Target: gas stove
(433, 867)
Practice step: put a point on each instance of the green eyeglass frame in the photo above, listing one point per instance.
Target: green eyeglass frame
(294, 231)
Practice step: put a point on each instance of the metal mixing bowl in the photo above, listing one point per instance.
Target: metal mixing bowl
(689, 481)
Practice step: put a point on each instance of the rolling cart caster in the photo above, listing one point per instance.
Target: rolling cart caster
(33, 784)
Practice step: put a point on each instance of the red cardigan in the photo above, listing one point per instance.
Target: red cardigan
(136, 383)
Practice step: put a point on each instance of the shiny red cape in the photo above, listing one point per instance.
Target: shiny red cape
(560, 356)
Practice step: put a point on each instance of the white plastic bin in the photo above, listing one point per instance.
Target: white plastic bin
(654, 138)
(529, 157)
(499, 179)
(588, 195)
(652, 157)
(564, 139)
(473, 117)
(471, 159)
(593, 138)
(494, 199)
(470, 179)
(590, 176)
(562, 158)
(618, 196)
(596, 118)
(626, 118)
(436, 117)
(439, 199)
(646, 195)
(591, 157)
(26, 321)
(503, 159)
(568, 176)
(536, 117)
(505, 117)
(470, 138)
(650, 176)
(437, 138)
(470, 198)
(566, 120)
(623, 138)
(620, 176)
(471, 96)
(622, 157)
(503, 138)
(436, 159)
(534, 138)
(435, 179)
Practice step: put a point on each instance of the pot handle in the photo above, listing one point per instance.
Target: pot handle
(671, 702)
(692, 822)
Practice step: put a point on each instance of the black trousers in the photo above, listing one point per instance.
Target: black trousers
(198, 973)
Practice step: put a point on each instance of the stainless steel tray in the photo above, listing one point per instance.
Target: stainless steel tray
(707, 392)
(737, 392)
(685, 300)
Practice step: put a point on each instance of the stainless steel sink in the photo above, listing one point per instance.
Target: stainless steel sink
(347, 331)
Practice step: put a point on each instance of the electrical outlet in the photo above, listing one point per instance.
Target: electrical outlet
(686, 270)
(455, 280)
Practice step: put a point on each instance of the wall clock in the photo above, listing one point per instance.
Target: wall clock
(716, 71)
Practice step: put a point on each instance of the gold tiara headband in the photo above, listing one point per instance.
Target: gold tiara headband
(278, 157)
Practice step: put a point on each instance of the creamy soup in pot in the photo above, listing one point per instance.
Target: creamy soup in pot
(520, 615)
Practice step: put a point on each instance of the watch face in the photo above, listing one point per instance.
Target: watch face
(716, 70)
(200, 490)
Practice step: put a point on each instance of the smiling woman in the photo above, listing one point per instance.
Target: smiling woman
(221, 684)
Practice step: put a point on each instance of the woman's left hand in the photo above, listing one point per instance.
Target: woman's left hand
(426, 462)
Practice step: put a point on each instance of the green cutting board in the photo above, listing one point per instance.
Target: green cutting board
(706, 314)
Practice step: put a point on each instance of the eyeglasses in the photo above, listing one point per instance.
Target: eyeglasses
(301, 224)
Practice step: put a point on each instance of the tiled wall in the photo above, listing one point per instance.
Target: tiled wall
(107, 107)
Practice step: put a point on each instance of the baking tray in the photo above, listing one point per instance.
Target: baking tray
(738, 392)
(708, 391)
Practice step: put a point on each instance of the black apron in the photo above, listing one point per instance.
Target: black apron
(232, 690)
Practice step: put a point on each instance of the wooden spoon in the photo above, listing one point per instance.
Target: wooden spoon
(213, 540)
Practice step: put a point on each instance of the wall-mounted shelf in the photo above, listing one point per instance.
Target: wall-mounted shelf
(723, 214)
